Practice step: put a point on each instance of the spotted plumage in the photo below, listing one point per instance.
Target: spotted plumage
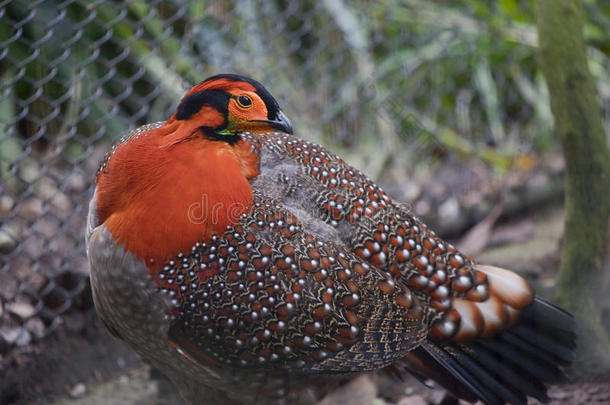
(252, 266)
(378, 230)
(266, 294)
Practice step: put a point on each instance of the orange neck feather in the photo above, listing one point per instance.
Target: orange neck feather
(163, 192)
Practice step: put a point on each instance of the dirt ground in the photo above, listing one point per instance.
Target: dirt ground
(82, 364)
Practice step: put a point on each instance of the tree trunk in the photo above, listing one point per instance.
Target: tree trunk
(578, 124)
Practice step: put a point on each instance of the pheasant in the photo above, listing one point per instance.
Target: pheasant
(252, 266)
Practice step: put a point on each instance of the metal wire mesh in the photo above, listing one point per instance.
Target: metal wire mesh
(377, 80)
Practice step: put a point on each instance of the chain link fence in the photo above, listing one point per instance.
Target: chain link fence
(385, 83)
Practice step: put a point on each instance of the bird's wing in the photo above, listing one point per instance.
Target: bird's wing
(269, 295)
(489, 337)
(465, 300)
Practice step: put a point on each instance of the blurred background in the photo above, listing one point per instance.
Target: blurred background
(443, 102)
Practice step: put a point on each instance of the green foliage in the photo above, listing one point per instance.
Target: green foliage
(394, 76)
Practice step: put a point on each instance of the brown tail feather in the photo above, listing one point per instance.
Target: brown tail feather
(509, 293)
(507, 367)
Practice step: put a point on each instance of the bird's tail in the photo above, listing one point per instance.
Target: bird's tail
(505, 368)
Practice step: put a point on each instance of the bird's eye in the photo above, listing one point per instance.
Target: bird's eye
(244, 101)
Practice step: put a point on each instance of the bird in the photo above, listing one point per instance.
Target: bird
(252, 266)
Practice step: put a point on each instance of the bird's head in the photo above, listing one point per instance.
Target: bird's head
(222, 106)
(169, 186)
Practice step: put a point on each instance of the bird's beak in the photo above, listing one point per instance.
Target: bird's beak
(281, 123)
